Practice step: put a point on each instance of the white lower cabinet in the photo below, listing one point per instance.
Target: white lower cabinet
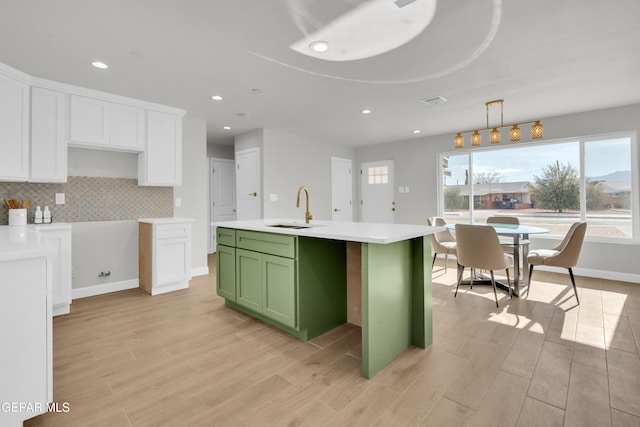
(59, 236)
(26, 385)
(164, 254)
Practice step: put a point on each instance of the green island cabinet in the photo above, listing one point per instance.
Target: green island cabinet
(307, 285)
(295, 283)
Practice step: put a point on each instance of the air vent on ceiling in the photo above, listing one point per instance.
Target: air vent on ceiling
(435, 100)
(403, 3)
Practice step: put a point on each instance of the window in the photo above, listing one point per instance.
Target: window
(378, 175)
(552, 185)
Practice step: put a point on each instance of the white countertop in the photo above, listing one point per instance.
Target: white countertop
(365, 232)
(166, 220)
(22, 242)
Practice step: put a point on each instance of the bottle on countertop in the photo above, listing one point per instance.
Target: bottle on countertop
(46, 216)
(37, 219)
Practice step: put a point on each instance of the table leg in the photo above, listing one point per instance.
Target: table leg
(516, 265)
(525, 264)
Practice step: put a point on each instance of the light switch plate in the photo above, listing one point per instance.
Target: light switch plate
(273, 197)
(60, 199)
(178, 202)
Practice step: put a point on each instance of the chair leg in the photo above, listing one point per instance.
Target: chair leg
(530, 273)
(446, 261)
(573, 282)
(509, 284)
(495, 294)
(434, 260)
(460, 272)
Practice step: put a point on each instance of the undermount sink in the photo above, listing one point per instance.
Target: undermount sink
(292, 226)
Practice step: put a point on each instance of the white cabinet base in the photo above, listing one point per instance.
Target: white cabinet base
(164, 254)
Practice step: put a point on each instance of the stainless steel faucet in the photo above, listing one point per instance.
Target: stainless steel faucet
(307, 216)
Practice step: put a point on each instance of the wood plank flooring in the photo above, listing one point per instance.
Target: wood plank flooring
(184, 359)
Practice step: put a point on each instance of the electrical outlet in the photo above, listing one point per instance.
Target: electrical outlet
(178, 202)
(60, 199)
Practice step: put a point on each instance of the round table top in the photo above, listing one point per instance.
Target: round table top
(510, 228)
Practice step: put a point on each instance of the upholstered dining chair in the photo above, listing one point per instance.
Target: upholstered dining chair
(564, 255)
(479, 248)
(507, 242)
(443, 241)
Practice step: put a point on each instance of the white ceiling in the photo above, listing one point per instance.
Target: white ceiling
(545, 58)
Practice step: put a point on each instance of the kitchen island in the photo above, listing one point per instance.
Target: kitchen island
(307, 279)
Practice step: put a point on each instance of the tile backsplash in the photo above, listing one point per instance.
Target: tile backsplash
(91, 199)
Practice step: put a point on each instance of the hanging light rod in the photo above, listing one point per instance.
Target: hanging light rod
(494, 137)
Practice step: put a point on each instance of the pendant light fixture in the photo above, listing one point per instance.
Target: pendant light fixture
(537, 130)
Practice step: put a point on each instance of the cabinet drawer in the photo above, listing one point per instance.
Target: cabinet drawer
(268, 243)
(226, 236)
(172, 230)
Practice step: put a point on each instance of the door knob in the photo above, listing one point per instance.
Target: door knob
(254, 194)
(336, 210)
(393, 209)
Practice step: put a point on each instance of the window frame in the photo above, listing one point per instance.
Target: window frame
(635, 181)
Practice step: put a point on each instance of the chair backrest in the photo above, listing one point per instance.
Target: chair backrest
(440, 236)
(503, 220)
(570, 247)
(479, 247)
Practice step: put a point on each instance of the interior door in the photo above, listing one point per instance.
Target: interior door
(376, 188)
(248, 183)
(222, 194)
(341, 190)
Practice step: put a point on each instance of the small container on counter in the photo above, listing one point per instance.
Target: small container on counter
(46, 216)
(17, 217)
(37, 218)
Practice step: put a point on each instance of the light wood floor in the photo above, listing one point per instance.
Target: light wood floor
(184, 359)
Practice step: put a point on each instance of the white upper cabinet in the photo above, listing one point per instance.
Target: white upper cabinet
(14, 128)
(126, 127)
(40, 119)
(161, 163)
(48, 133)
(101, 124)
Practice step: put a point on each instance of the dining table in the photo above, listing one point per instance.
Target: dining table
(519, 233)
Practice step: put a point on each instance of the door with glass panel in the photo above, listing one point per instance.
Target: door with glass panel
(377, 202)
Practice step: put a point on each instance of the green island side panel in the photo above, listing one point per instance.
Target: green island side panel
(322, 284)
(422, 334)
(396, 301)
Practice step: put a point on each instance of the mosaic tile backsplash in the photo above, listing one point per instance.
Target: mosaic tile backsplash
(91, 199)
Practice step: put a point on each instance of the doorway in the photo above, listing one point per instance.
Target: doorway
(376, 187)
(341, 190)
(222, 203)
(248, 184)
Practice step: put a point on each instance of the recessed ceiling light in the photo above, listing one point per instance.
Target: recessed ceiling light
(319, 46)
(366, 111)
(216, 98)
(226, 127)
(100, 65)
(415, 131)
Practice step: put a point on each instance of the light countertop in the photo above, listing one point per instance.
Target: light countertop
(22, 242)
(166, 220)
(364, 232)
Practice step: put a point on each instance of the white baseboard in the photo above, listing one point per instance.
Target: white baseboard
(596, 274)
(199, 271)
(90, 291)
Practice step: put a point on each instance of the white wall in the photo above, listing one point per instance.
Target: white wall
(193, 192)
(220, 151)
(416, 166)
(291, 161)
(99, 246)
